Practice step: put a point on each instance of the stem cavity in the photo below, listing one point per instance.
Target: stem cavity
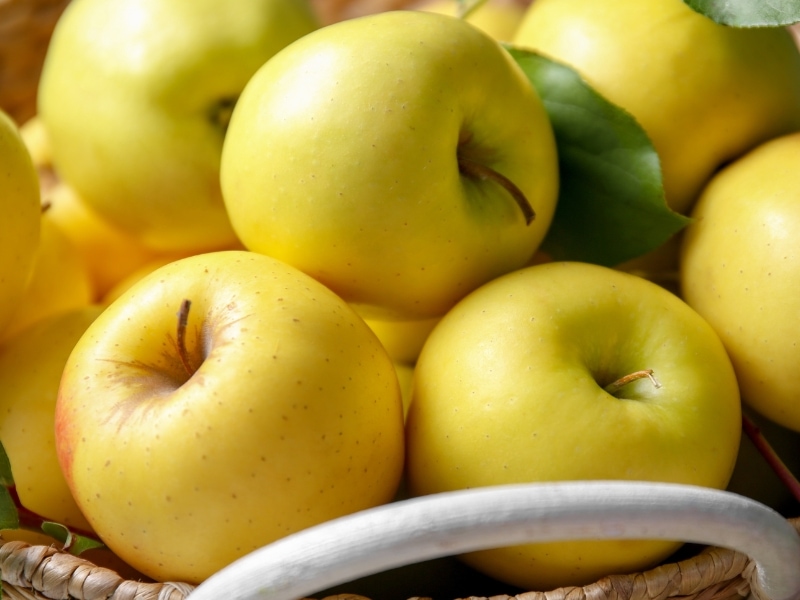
(470, 168)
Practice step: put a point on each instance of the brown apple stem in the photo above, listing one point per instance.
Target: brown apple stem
(766, 450)
(183, 320)
(615, 386)
(473, 169)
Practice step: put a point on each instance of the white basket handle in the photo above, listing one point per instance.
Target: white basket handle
(411, 531)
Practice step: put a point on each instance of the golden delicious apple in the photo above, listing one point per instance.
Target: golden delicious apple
(705, 93)
(109, 253)
(136, 95)
(570, 371)
(31, 364)
(498, 18)
(19, 205)
(396, 158)
(740, 269)
(60, 281)
(191, 438)
(403, 340)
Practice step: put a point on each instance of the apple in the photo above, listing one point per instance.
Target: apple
(571, 371)
(136, 111)
(405, 376)
(108, 252)
(740, 267)
(393, 157)
(705, 93)
(31, 363)
(133, 277)
(19, 205)
(60, 281)
(189, 439)
(499, 18)
(403, 340)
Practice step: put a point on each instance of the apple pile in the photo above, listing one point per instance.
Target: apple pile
(262, 270)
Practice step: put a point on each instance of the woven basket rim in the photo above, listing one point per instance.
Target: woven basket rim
(35, 571)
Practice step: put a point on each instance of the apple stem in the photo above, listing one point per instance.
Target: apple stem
(473, 169)
(613, 387)
(183, 320)
(766, 450)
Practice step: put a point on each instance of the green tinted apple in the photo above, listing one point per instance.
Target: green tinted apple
(705, 93)
(21, 213)
(135, 96)
(524, 381)
(392, 157)
(740, 269)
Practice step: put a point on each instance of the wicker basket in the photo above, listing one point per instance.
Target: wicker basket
(45, 572)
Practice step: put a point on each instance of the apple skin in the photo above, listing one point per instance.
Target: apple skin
(704, 93)
(31, 364)
(294, 415)
(403, 340)
(499, 18)
(135, 96)
(60, 281)
(108, 252)
(342, 159)
(19, 205)
(509, 388)
(740, 268)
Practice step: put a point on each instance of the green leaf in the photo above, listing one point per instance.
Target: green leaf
(6, 478)
(73, 543)
(611, 205)
(9, 516)
(749, 13)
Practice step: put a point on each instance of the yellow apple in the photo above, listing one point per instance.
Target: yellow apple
(34, 135)
(499, 18)
(405, 375)
(403, 340)
(705, 93)
(134, 276)
(109, 253)
(60, 281)
(31, 364)
(740, 269)
(19, 207)
(136, 96)
(274, 408)
(393, 157)
(524, 381)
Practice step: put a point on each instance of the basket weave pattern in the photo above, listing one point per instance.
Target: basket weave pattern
(37, 572)
(46, 573)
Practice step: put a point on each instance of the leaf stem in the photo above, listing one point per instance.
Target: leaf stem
(33, 521)
(783, 472)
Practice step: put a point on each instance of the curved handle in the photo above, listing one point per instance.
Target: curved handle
(446, 524)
